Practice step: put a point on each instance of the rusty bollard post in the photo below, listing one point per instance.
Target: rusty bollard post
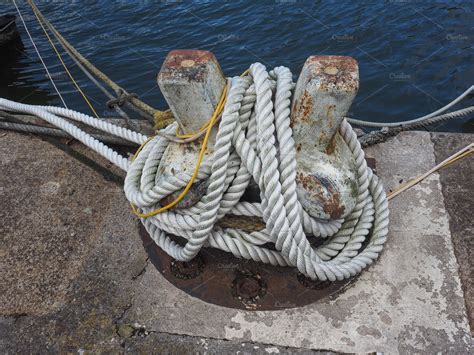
(326, 173)
(192, 83)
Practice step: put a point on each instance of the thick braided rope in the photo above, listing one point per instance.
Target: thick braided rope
(53, 115)
(255, 132)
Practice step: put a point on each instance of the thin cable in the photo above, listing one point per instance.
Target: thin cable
(65, 66)
(39, 55)
(416, 120)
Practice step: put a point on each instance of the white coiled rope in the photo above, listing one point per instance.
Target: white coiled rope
(254, 141)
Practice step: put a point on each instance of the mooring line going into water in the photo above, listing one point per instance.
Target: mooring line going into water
(39, 55)
(119, 111)
(157, 117)
(66, 68)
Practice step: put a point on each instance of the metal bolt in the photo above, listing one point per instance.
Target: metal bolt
(186, 270)
(248, 286)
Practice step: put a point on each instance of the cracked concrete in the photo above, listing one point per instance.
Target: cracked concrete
(77, 277)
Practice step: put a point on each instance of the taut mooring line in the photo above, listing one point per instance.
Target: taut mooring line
(39, 55)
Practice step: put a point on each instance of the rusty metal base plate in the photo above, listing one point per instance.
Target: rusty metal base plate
(217, 277)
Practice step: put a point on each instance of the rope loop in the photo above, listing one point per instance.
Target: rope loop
(122, 98)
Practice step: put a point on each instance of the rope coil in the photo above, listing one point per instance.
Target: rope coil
(254, 141)
(254, 132)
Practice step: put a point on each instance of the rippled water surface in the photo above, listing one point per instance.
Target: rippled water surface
(414, 56)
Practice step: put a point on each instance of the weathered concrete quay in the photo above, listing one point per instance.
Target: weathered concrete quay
(75, 276)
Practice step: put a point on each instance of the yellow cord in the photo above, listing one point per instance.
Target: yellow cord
(208, 126)
(191, 135)
(141, 147)
(64, 64)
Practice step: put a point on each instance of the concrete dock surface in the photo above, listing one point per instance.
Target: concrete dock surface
(76, 278)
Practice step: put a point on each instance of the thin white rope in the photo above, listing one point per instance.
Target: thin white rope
(39, 55)
(416, 120)
(254, 141)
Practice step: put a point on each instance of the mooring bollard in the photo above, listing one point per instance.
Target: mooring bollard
(326, 177)
(192, 83)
